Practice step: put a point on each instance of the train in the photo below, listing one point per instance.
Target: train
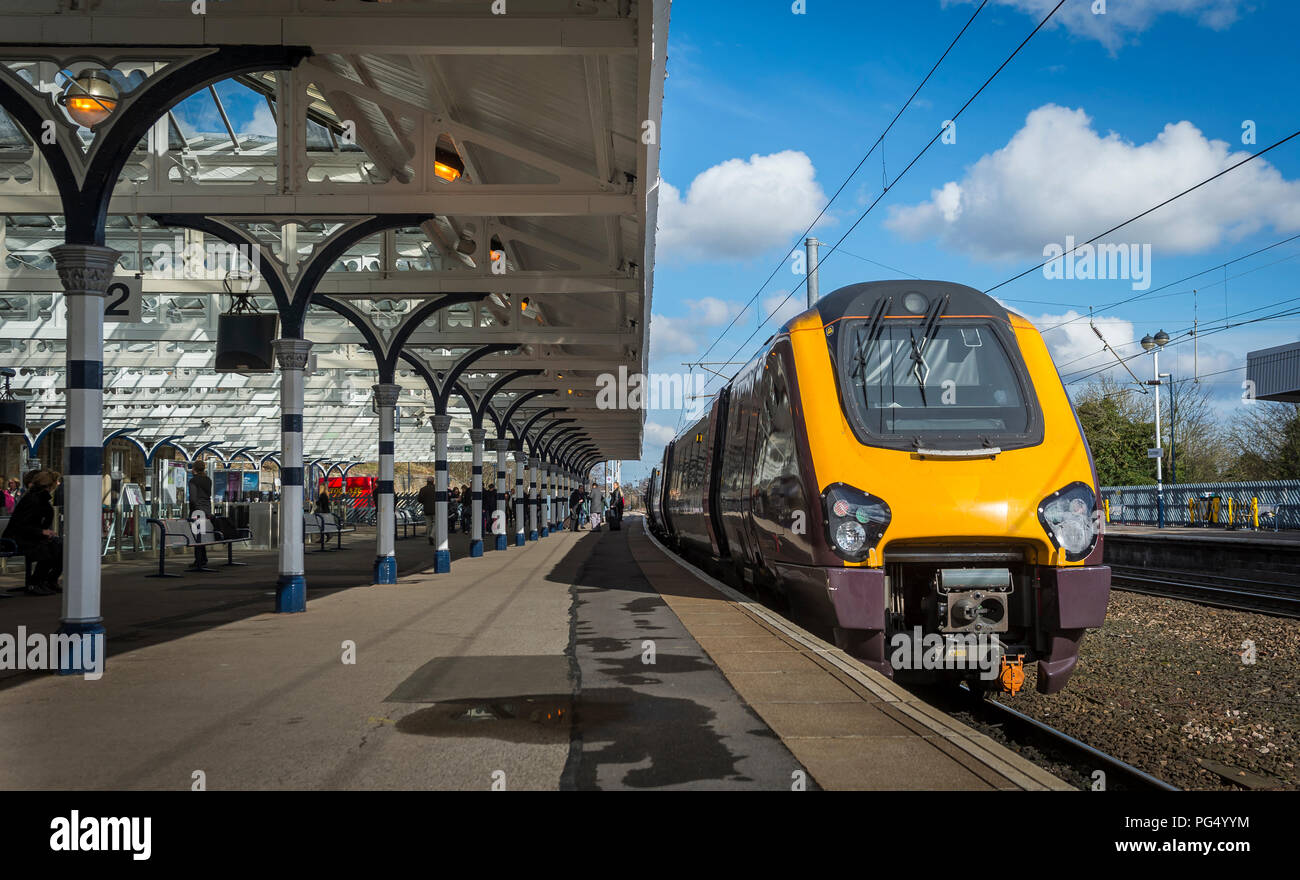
(900, 469)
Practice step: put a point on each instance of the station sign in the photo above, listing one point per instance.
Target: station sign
(123, 300)
(1158, 452)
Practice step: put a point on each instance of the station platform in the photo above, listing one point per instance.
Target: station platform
(581, 661)
(1263, 537)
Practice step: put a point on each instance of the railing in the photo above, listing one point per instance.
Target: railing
(1272, 504)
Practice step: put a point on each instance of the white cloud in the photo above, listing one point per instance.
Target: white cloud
(262, 123)
(797, 302)
(1075, 347)
(738, 209)
(1124, 18)
(1077, 351)
(657, 434)
(711, 311)
(671, 335)
(1057, 176)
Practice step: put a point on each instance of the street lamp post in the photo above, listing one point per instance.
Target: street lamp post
(1153, 345)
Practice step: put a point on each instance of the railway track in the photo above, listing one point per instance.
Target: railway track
(1049, 747)
(1238, 594)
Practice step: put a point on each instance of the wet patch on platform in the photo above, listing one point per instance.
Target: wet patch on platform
(445, 679)
(652, 711)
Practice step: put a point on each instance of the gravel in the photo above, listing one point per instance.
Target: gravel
(1166, 682)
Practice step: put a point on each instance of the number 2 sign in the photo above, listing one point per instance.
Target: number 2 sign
(122, 301)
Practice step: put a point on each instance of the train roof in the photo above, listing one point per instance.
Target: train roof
(860, 299)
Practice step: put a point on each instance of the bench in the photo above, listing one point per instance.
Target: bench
(9, 550)
(1273, 514)
(408, 522)
(181, 533)
(325, 525)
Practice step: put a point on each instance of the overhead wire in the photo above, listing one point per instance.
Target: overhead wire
(949, 122)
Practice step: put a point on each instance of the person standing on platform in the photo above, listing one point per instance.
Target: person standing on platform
(428, 498)
(31, 528)
(11, 495)
(616, 502)
(575, 507)
(200, 495)
(323, 501)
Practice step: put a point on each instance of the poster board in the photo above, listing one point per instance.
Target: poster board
(132, 496)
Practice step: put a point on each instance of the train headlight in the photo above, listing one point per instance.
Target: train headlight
(850, 536)
(855, 520)
(1068, 517)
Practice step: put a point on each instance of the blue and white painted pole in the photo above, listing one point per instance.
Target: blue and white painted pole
(544, 501)
(86, 272)
(291, 588)
(476, 436)
(499, 520)
(442, 556)
(533, 463)
(385, 513)
(519, 494)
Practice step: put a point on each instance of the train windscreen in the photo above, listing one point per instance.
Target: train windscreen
(957, 382)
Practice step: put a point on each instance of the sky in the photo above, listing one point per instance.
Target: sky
(1101, 116)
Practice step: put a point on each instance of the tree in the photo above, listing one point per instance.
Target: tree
(1116, 433)
(1267, 437)
(1199, 448)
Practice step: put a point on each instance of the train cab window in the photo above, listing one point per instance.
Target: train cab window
(960, 385)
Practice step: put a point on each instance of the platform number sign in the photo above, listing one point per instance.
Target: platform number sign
(122, 301)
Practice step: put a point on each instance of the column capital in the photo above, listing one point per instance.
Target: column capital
(385, 394)
(502, 444)
(291, 354)
(84, 269)
(476, 435)
(534, 461)
(441, 424)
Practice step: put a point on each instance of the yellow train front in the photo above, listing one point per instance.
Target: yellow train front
(902, 468)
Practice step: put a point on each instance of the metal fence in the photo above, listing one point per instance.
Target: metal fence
(1206, 504)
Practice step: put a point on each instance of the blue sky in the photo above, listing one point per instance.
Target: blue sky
(1098, 118)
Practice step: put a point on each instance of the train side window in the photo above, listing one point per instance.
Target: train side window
(777, 478)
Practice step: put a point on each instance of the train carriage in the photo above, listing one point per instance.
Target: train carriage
(902, 467)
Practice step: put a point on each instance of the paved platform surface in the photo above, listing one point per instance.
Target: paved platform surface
(1289, 537)
(579, 661)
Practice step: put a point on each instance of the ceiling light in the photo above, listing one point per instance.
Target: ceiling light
(90, 98)
(447, 165)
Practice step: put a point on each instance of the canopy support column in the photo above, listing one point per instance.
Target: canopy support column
(519, 494)
(476, 436)
(291, 588)
(442, 556)
(386, 396)
(85, 271)
(499, 520)
(533, 463)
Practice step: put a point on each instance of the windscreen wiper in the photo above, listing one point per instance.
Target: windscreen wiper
(928, 327)
(866, 337)
(871, 331)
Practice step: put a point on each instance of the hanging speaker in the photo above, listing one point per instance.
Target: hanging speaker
(13, 412)
(244, 342)
(13, 416)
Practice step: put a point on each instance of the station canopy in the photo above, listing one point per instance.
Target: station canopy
(512, 156)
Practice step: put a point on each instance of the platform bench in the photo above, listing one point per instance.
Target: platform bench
(9, 550)
(325, 525)
(180, 533)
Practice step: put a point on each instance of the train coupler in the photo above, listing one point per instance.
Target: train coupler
(1012, 674)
